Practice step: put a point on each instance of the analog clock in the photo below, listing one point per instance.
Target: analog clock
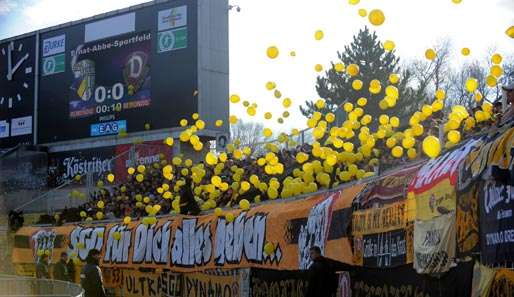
(17, 73)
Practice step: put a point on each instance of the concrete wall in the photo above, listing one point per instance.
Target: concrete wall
(213, 62)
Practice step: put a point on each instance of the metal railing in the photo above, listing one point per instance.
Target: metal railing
(12, 285)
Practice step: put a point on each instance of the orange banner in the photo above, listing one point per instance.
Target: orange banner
(182, 243)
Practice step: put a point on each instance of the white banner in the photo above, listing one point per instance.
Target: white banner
(434, 244)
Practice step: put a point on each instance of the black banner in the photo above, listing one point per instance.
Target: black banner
(405, 282)
(277, 283)
(64, 166)
(496, 223)
(387, 249)
(467, 220)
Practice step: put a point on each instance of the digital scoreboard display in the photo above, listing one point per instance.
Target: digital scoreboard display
(124, 72)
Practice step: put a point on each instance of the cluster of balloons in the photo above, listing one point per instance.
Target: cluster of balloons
(340, 153)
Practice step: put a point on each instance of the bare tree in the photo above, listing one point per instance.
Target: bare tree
(247, 134)
(457, 92)
(427, 76)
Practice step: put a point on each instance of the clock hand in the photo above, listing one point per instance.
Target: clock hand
(9, 61)
(19, 64)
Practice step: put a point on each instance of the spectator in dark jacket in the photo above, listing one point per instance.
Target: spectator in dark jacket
(188, 204)
(42, 267)
(322, 275)
(61, 268)
(91, 275)
(71, 270)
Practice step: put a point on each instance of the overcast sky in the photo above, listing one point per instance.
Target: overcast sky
(414, 25)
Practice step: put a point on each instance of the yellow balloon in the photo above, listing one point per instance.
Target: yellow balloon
(230, 217)
(496, 71)
(431, 146)
(318, 35)
(391, 142)
(339, 67)
(430, 54)
(251, 111)
(320, 104)
(233, 119)
(286, 102)
(272, 52)
(471, 84)
(269, 248)
(211, 159)
(267, 132)
(440, 94)
(362, 12)
(383, 119)
(100, 204)
(99, 215)
(357, 84)
(127, 220)
(270, 85)
(454, 136)
(110, 177)
(397, 152)
(330, 117)
(510, 32)
(395, 122)
(496, 58)
(376, 17)
(392, 91)
(292, 53)
(352, 70)
(408, 142)
(465, 51)
(219, 123)
(318, 68)
(389, 45)
(426, 110)
(362, 101)
(348, 147)
(140, 178)
(411, 153)
(394, 78)
(437, 105)
(348, 107)
(244, 204)
(200, 124)
(491, 81)
(353, 2)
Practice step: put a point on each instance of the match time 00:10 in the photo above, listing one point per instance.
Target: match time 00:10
(106, 108)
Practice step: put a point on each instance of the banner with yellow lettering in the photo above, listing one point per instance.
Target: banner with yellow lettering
(382, 237)
(276, 235)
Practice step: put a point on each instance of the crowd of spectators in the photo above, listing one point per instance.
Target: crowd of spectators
(131, 198)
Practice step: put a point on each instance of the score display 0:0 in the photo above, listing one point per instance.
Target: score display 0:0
(116, 92)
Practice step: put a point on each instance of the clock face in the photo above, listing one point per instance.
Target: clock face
(17, 60)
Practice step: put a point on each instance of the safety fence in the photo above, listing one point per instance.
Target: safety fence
(11, 285)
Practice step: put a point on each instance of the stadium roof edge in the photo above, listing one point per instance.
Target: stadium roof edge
(84, 20)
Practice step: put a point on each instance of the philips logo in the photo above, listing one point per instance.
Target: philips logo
(54, 45)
